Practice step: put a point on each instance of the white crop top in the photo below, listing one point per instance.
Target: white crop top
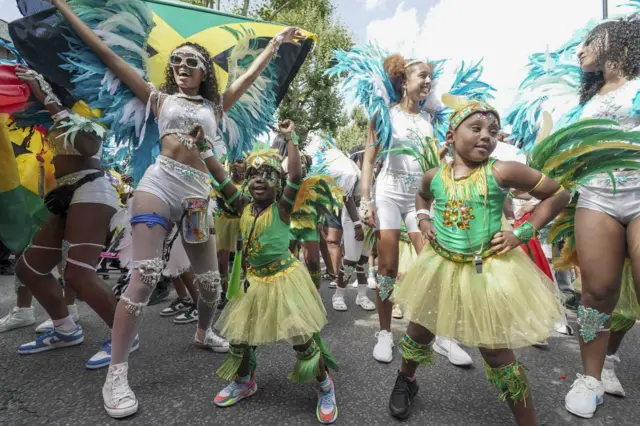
(408, 129)
(178, 115)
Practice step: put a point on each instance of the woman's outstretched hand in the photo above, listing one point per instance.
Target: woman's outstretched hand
(291, 35)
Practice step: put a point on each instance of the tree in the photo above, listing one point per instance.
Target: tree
(354, 136)
(313, 100)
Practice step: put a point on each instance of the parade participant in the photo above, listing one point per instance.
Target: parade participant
(471, 285)
(278, 288)
(81, 207)
(610, 62)
(174, 188)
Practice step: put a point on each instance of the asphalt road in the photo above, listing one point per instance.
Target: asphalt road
(176, 382)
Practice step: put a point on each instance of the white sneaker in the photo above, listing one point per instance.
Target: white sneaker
(584, 397)
(119, 399)
(338, 303)
(365, 303)
(47, 326)
(333, 284)
(612, 385)
(214, 342)
(371, 283)
(17, 318)
(383, 351)
(452, 350)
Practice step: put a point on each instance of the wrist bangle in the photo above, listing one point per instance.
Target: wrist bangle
(206, 154)
(424, 212)
(357, 223)
(233, 198)
(224, 183)
(423, 219)
(526, 232)
(62, 115)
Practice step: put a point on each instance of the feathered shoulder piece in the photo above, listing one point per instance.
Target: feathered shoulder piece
(319, 194)
(125, 27)
(551, 85)
(576, 153)
(328, 159)
(365, 79)
(254, 112)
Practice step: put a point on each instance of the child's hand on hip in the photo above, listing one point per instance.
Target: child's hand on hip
(503, 242)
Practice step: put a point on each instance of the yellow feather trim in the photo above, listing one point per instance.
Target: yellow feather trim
(580, 150)
(307, 194)
(303, 222)
(263, 222)
(465, 188)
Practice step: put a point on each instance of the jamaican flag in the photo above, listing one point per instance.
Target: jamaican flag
(175, 23)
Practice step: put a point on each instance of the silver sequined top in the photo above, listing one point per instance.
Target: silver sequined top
(180, 116)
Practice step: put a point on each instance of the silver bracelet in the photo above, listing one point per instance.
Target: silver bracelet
(62, 115)
(50, 97)
(206, 154)
(276, 42)
(424, 212)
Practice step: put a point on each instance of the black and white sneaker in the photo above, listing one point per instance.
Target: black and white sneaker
(176, 307)
(190, 315)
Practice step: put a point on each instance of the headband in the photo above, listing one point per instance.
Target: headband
(268, 158)
(413, 62)
(461, 114)
(195, 52)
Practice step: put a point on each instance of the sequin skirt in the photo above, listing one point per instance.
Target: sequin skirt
(284, 307)
(511, 304)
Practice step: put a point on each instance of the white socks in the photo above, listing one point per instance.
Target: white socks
(64, 325)
(340, 292)
(362, 290)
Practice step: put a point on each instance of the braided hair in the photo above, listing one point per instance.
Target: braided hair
(617, 44)
(208, 88)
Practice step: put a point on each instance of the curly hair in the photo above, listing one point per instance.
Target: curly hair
(616, 44)
(208, 88)
(395, 66)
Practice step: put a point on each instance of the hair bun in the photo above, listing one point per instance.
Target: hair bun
(394, 67)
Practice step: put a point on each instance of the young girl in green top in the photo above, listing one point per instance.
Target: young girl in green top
(470, 285)
(279, 301)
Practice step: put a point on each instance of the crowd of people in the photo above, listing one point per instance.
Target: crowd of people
(444, 234)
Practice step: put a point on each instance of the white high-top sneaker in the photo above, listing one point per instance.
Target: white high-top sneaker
(383, 351)
(17, 318)
(119, 399)
(612, 385)
(452, 350)
(584, 397)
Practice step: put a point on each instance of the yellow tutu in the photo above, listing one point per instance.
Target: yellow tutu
(227, 232)
(511, 304)
(628, 305)
(406, 256)
(281, 307)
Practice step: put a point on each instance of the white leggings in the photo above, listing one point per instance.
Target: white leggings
(353, 250)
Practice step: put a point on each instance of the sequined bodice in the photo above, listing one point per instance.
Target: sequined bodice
(180, 116)
(616, 105)
(408, 130)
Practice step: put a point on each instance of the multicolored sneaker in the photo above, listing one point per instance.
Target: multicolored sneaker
(53, 340)
(327, 409)
(236, 392)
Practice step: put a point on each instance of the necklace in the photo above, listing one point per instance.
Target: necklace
(465, 217)
(190, 97)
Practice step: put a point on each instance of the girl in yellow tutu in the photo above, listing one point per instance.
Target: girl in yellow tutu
(471, 285)
(280, 301)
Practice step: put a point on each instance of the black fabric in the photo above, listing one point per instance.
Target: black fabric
(59, 199)
(29, 7)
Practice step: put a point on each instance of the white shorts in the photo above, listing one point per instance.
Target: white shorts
(172, 182)
(98, 191)
(353, 250)
(623, 205)
(395, 200)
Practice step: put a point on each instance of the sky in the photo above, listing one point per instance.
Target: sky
(500, 32)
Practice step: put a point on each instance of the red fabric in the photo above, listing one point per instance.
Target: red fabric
(13, 92)
(534, 250)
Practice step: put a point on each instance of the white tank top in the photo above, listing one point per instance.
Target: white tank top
(408, 130)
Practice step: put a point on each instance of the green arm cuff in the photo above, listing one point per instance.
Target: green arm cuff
(526, 232)
(224, 183)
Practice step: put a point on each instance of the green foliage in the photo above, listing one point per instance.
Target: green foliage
(353, 137)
